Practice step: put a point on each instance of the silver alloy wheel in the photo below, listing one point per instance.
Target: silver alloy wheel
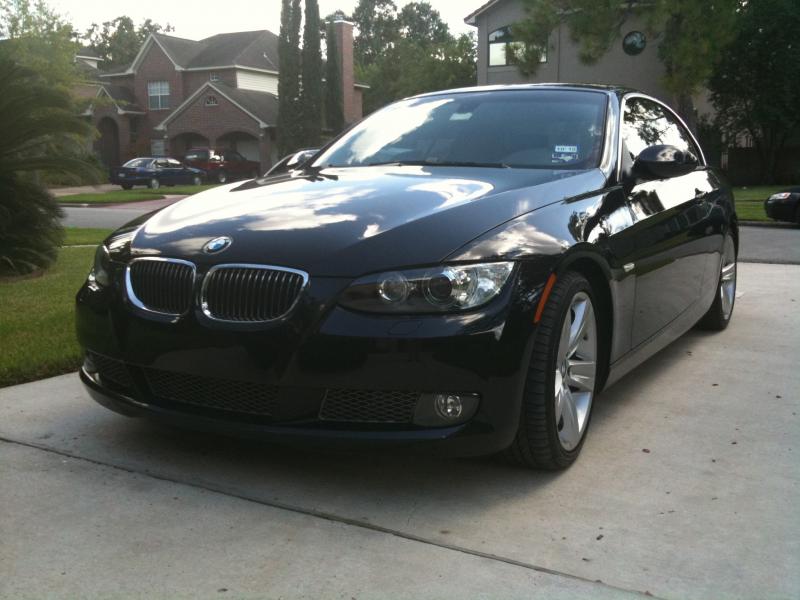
(154, 183)
(727, 280)
(576, 367)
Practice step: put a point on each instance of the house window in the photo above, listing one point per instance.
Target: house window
(502, 48)
(158, 95)
(211, 101)
(158, 147)
(214, 77)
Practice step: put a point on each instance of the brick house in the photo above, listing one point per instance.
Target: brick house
(178, 93)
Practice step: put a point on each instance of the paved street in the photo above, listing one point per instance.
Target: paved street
(770, 244)
(686, 488)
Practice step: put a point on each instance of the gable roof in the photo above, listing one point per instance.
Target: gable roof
(243, 49)
(260, 106)
(470, 19)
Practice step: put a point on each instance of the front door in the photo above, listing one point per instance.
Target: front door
(669, 214)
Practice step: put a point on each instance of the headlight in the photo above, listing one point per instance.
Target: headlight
(780, 196)
(100, 275)
(445, 288)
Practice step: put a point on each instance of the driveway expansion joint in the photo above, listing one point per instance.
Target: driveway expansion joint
(327, 517)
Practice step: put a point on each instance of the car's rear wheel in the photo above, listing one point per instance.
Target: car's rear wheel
(154, 184)
(222, 176)
(561, 380)
(196, 180)
(719, 315)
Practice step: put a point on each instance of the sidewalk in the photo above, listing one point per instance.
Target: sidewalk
(84, 189)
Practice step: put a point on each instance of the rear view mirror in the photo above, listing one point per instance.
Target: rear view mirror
(663, 162)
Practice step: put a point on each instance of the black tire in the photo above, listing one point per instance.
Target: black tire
(537, 443)
(154, 184)
(717, 318)
(126, 186)
(222, 177)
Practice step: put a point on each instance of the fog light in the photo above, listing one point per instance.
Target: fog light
(445, 409)
(449, 406)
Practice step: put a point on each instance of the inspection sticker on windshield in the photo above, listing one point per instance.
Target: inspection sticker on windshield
(564, 154)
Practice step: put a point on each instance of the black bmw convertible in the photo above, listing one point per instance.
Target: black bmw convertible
(463, 270)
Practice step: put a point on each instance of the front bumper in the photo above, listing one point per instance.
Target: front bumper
(319, 348)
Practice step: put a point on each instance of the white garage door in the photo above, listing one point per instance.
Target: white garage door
(249, 149)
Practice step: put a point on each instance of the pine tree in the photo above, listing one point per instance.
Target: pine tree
(334, 112)
(290, 118)
(311, 92)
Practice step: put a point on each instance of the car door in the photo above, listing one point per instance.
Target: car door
(178, 173)
(671, 249)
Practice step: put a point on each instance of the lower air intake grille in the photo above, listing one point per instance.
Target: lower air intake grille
(111, 371)
(163, 286)
(250, 293)
(209, 392)
(369, 406)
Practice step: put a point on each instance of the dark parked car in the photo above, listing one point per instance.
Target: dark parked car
(155, 172)
(784, 206)
(465, 269)
(222, 165)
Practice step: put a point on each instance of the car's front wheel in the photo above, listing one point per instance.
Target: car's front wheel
(196, 180)
(154, 184)
(222, 176)
(561, 380)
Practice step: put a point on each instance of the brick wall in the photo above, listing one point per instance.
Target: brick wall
(344, 38)
(213, 122)
(192, 80)
(156, 66)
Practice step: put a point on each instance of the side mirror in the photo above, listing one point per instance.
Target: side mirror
(300, 157)
(663, 162)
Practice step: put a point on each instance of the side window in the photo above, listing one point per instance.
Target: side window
(173, 164)
(647, 123)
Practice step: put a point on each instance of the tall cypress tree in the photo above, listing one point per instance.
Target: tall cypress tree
(311, 92)
(290, 119)
(334, 111)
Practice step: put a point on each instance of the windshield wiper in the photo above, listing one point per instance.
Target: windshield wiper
(431, 163)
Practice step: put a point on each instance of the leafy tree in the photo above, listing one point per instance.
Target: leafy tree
(756, 84)
(40, 39)
(422, 56)
(118, 41)
(419, 22)
(290, 126)
(334, 111)
(311, 91)
(376, 23)
(39, 131)
(692, 35)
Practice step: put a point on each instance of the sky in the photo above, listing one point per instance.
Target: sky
(203, 18)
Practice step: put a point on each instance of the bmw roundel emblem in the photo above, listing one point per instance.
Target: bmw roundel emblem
(218, 244)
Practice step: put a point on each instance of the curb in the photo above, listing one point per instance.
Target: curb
(774, 224)
(132, 203)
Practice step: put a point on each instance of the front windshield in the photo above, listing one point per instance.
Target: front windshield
(535, 129)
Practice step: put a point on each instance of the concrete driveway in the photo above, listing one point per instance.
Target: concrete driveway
(687, 488)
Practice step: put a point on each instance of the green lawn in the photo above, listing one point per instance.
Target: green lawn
(750, 201)
(116, 196)
(136, 194)
(76, 236)
(37, 324)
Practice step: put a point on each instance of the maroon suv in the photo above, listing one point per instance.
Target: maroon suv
(222, 165)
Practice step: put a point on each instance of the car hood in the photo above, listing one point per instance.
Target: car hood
(347, 222)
